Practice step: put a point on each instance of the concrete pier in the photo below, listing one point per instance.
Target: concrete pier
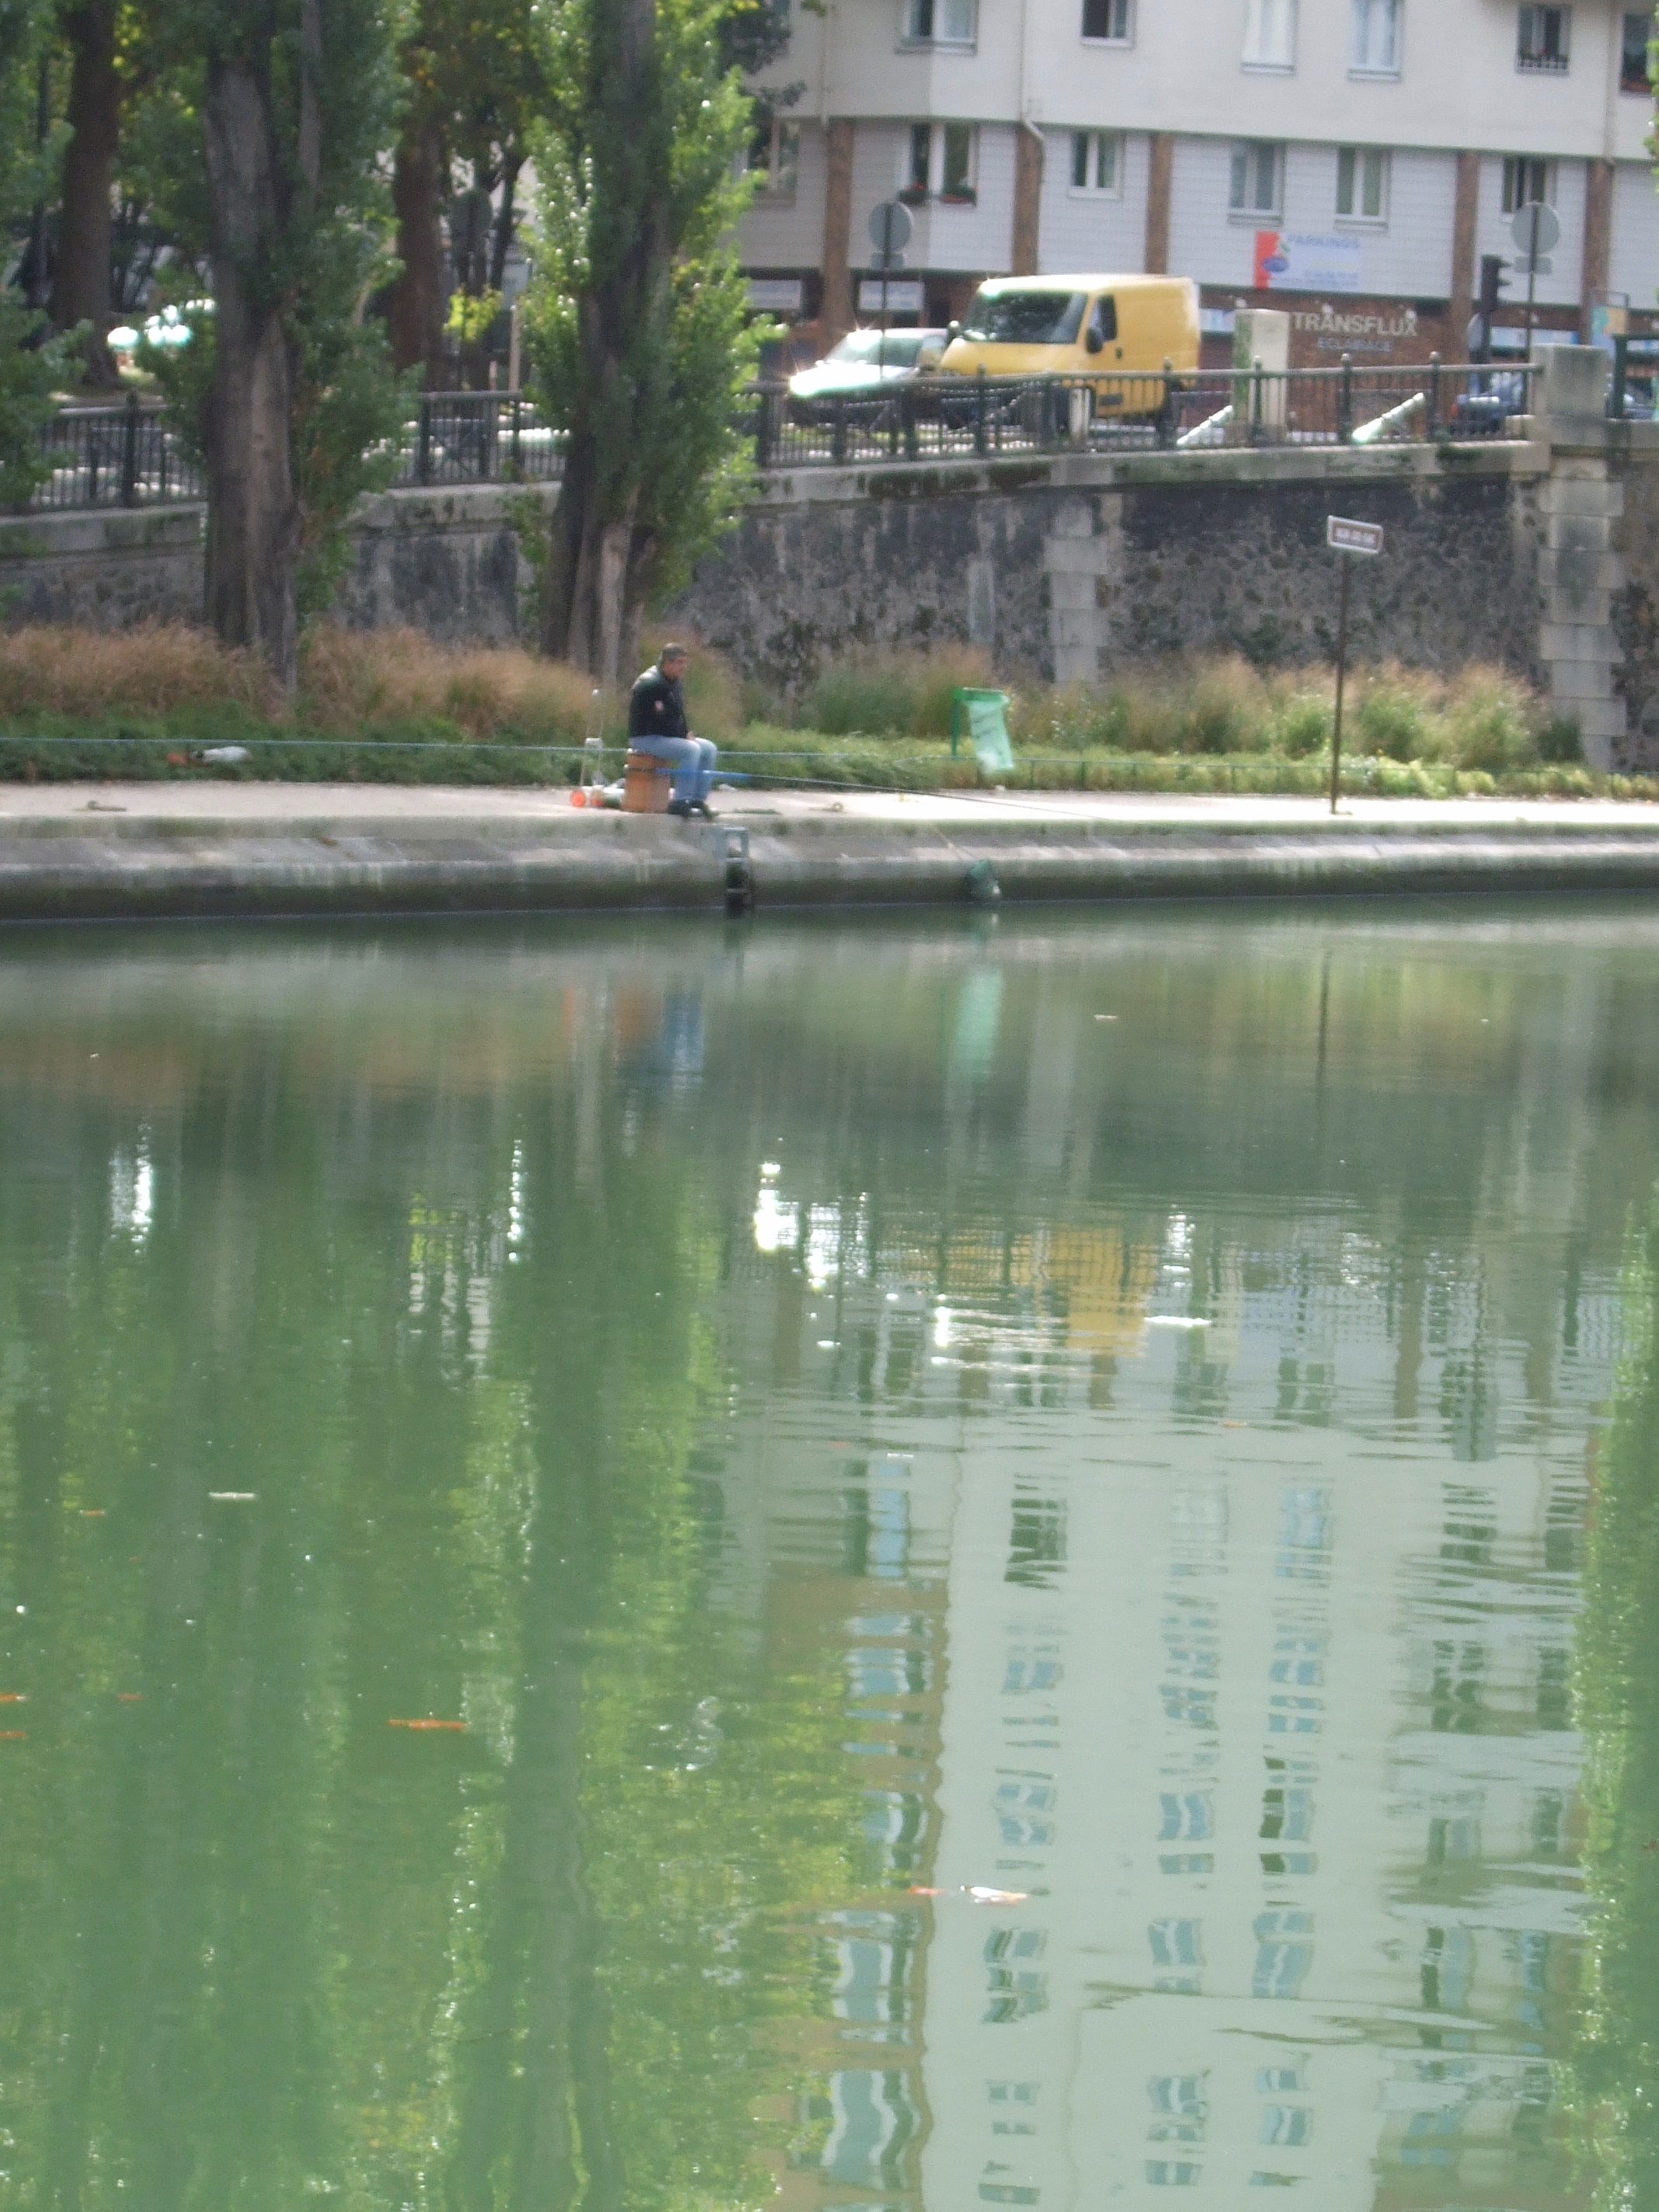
(76, 852)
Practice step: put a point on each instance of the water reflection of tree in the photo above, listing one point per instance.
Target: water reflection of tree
(1617, 2063)
(253, 1943)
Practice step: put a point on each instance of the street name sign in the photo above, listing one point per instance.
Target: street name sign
(1343, 537)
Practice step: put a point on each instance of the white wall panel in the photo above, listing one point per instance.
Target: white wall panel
(975, 239)
(789, 235)
(1204, 243)
(1560, 288)
(1635, 261)
(1085, 230)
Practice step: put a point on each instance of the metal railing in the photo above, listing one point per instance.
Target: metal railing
(480, 437)
(129, 455)
(922, 418)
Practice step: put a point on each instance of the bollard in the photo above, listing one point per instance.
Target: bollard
(739, 886)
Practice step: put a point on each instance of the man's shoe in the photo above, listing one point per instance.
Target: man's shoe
(683, 807)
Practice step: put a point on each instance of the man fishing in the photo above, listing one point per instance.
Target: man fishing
(657, 725)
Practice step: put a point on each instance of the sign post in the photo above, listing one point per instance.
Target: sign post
(1537, 229)
(1347, 540)
(889, 234)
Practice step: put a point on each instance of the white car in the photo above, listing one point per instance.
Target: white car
(865, 366)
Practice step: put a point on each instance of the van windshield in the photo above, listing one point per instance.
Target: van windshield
(1023, 317)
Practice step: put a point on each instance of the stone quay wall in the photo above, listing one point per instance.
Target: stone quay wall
(1539, 552)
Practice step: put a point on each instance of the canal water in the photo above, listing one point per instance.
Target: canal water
(908, 1564)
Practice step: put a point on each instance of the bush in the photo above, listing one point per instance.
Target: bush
(1489, 723)
(893, 695)
(154, 670)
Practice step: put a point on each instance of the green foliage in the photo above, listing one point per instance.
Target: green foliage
(1617, 1655)
(26, 374)
(634, 219)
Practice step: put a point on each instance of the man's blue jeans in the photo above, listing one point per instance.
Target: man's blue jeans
(692, 760)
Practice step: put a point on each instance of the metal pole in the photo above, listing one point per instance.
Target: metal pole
(1346, 560)
(1532, 271)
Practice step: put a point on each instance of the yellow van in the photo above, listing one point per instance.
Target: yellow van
(1076, 326)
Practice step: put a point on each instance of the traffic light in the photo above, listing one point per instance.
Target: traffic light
(1492, 268)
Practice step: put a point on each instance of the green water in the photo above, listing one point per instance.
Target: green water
(1153, 1416)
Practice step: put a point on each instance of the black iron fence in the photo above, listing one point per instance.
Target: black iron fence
(129, 455)
(480, 437)
(920, 418)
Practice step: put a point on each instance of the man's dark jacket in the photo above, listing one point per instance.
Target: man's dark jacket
(656, 706)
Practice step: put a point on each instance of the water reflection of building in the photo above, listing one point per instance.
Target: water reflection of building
(1252, 1673)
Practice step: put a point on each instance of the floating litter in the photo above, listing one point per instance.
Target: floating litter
(14, 1697)
(427, 1724)
(13, 1736)
(233, 1497)
(1176, 1321)
(981, 1896)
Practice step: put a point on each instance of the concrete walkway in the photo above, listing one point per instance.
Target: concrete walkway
(76, 851)
(251, 805)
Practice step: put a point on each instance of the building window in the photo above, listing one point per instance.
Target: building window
(774, 159)
(1258, 173)
(1633, 52)
(1526, 180)
(1542, 39)
(1270, 34)
(1362, 196)
(1177, 1955)
(1097, 163)
(1284, 1952)
(941, 163)
(1376, 47)
(1110, 21)
(938, 23)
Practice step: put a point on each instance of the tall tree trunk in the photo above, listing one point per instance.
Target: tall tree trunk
(507, 222)
(80, 290)
(417, 301)
(253, 512)
(592, 569)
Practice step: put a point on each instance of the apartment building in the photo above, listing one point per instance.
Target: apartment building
(1349, 161)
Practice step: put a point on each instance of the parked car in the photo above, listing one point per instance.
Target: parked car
(865, 366)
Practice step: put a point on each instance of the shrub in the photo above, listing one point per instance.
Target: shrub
(1395, 712)
(893, 695)
(156, 669)
(1487, 724)
(353, 677)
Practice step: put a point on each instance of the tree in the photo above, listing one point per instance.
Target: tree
(473, 73)
(638, 316)
(80, 283)
(26, 374)
(297, 400)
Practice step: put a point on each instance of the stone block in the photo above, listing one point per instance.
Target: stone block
(1073, 517)
(1076, 629)
(1077, 557)
(1585, 495)
(1578, 533)
(1578, 610)
(1072, 590)
(1581, 640)
(1578, 574)
(1580, 679)
(1572, 384)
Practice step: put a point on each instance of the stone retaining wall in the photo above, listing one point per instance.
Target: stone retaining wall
(1539, 552)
